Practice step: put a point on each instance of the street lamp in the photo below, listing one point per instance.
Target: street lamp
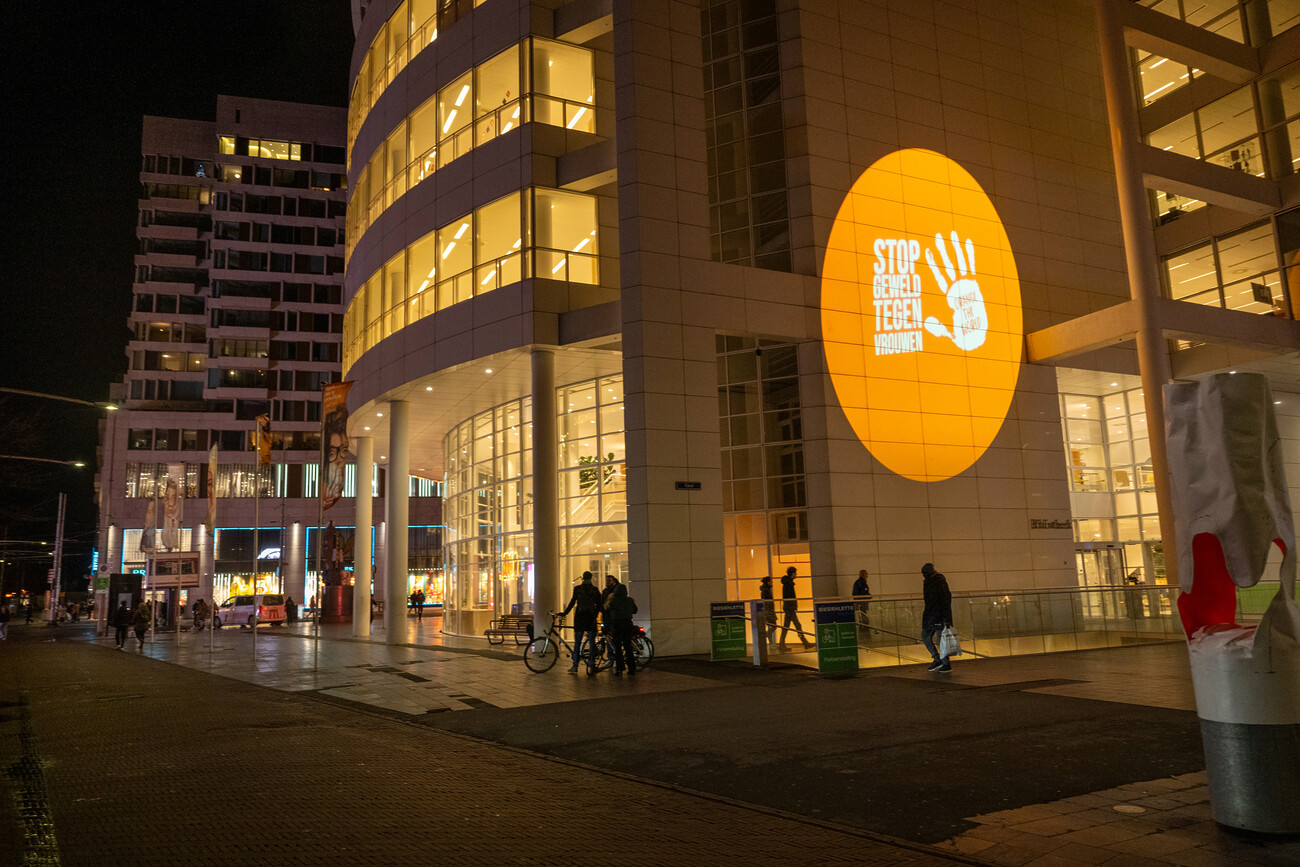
(42, 460)
(98, 404)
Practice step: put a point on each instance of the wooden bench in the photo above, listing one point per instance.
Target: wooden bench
(518, 625)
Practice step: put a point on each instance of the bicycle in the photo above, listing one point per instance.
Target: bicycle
(602, 655)
(542, 652)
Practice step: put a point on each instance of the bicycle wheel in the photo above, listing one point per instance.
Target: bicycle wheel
(645, 650)
(600, 655)
(541, 653)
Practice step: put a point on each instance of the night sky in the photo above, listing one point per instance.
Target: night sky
(80, 79)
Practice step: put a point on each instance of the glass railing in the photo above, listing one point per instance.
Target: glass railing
(1009, 624)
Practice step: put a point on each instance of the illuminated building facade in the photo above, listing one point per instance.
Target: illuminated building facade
(692, 292)
(237, 312)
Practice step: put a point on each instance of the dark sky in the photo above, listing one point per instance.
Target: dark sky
(79, 79)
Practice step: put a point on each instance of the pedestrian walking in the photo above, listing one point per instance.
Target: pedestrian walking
(311, 606)
(790, 609)
(769, 607)
(585, 605)
(290, 610)
(141, 620)
(621, 609)
(936, 615)
(121, 623)
(419, 604)
(4, 621)
(31, 610)
(862, 607)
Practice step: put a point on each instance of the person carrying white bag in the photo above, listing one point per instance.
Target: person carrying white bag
(936, 619)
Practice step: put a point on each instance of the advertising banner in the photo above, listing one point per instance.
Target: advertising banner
(262, 440)
(173, 506)
(837, 637)
(212, 488)
(334, 441)
(727, 628)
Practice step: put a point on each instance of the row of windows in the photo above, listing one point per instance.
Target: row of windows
(412, 26)
(269, 176)
(186, 219)
(185, 192)
(1248, 269)
(288, 293)
(166, 389)
(536, 233)
(277, 320)
(148, 359)
(229, 145)
(280, 263)
(171, 247)
(558, 89)
(186, 440)
(289, 206)
(162, 302)
(273, 233)
(169, 332)
(196, 277)
(146, 480)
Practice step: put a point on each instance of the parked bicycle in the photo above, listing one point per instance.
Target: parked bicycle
(542, 652)
(603, 656)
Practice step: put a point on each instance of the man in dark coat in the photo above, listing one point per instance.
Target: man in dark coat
(122, 622)
(937, 613)
(861, 606)
(586, 599)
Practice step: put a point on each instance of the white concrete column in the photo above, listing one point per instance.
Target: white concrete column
(294, 558)
(206, 542)
(398, 508)
(381, 559)
(546, 530)
(365, 451)
(1140, 254)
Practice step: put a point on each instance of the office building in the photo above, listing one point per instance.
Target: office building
(693, 292)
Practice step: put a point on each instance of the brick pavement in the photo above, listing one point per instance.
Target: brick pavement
(147, 763)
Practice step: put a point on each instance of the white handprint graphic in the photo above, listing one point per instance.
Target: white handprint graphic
(970, 321)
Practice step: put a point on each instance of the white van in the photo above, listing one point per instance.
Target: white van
(241, 610)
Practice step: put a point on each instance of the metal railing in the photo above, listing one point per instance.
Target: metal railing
(1016, 623)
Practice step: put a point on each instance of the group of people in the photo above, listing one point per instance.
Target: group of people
(935, 616)
(615, 608)
(416, 601)
(140, 620)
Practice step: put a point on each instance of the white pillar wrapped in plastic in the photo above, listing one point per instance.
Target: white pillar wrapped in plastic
(1230, 504)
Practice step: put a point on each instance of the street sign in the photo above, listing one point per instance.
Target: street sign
(727, 629)
(688, 486)
(837, 637)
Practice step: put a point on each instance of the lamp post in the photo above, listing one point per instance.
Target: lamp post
(57, 571)
(98, 404)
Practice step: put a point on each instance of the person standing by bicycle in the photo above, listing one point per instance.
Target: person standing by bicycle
(586, 599)
(619, 613)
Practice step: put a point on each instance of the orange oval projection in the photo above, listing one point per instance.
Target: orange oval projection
(921, 317)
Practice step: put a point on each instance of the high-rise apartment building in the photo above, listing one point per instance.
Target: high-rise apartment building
(691, 292)
(237, 313)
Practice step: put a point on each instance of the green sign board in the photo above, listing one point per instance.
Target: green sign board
(837, 637)
(727, 628)
(101, 582)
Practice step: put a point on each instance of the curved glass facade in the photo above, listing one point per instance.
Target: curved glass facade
(411, 27)
(558, 88)
(534, 233)
(488, 505)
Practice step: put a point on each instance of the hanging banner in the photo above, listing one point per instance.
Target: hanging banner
(212, 488)
(173, 506)
(149, 538)
(262, 440)
(334, 441)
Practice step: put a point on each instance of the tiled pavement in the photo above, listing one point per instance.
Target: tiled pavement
(1173, 827)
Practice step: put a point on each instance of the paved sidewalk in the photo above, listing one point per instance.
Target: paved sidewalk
(1043, 760)
(112, 758)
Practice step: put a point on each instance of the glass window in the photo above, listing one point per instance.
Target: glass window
(496, 95)
(497, 243)
(564, 226)
(563, 70)
(1227, 121)
(395, 165)
(1192, 276)
(424, 139)
(226, 144)
(454, 105)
